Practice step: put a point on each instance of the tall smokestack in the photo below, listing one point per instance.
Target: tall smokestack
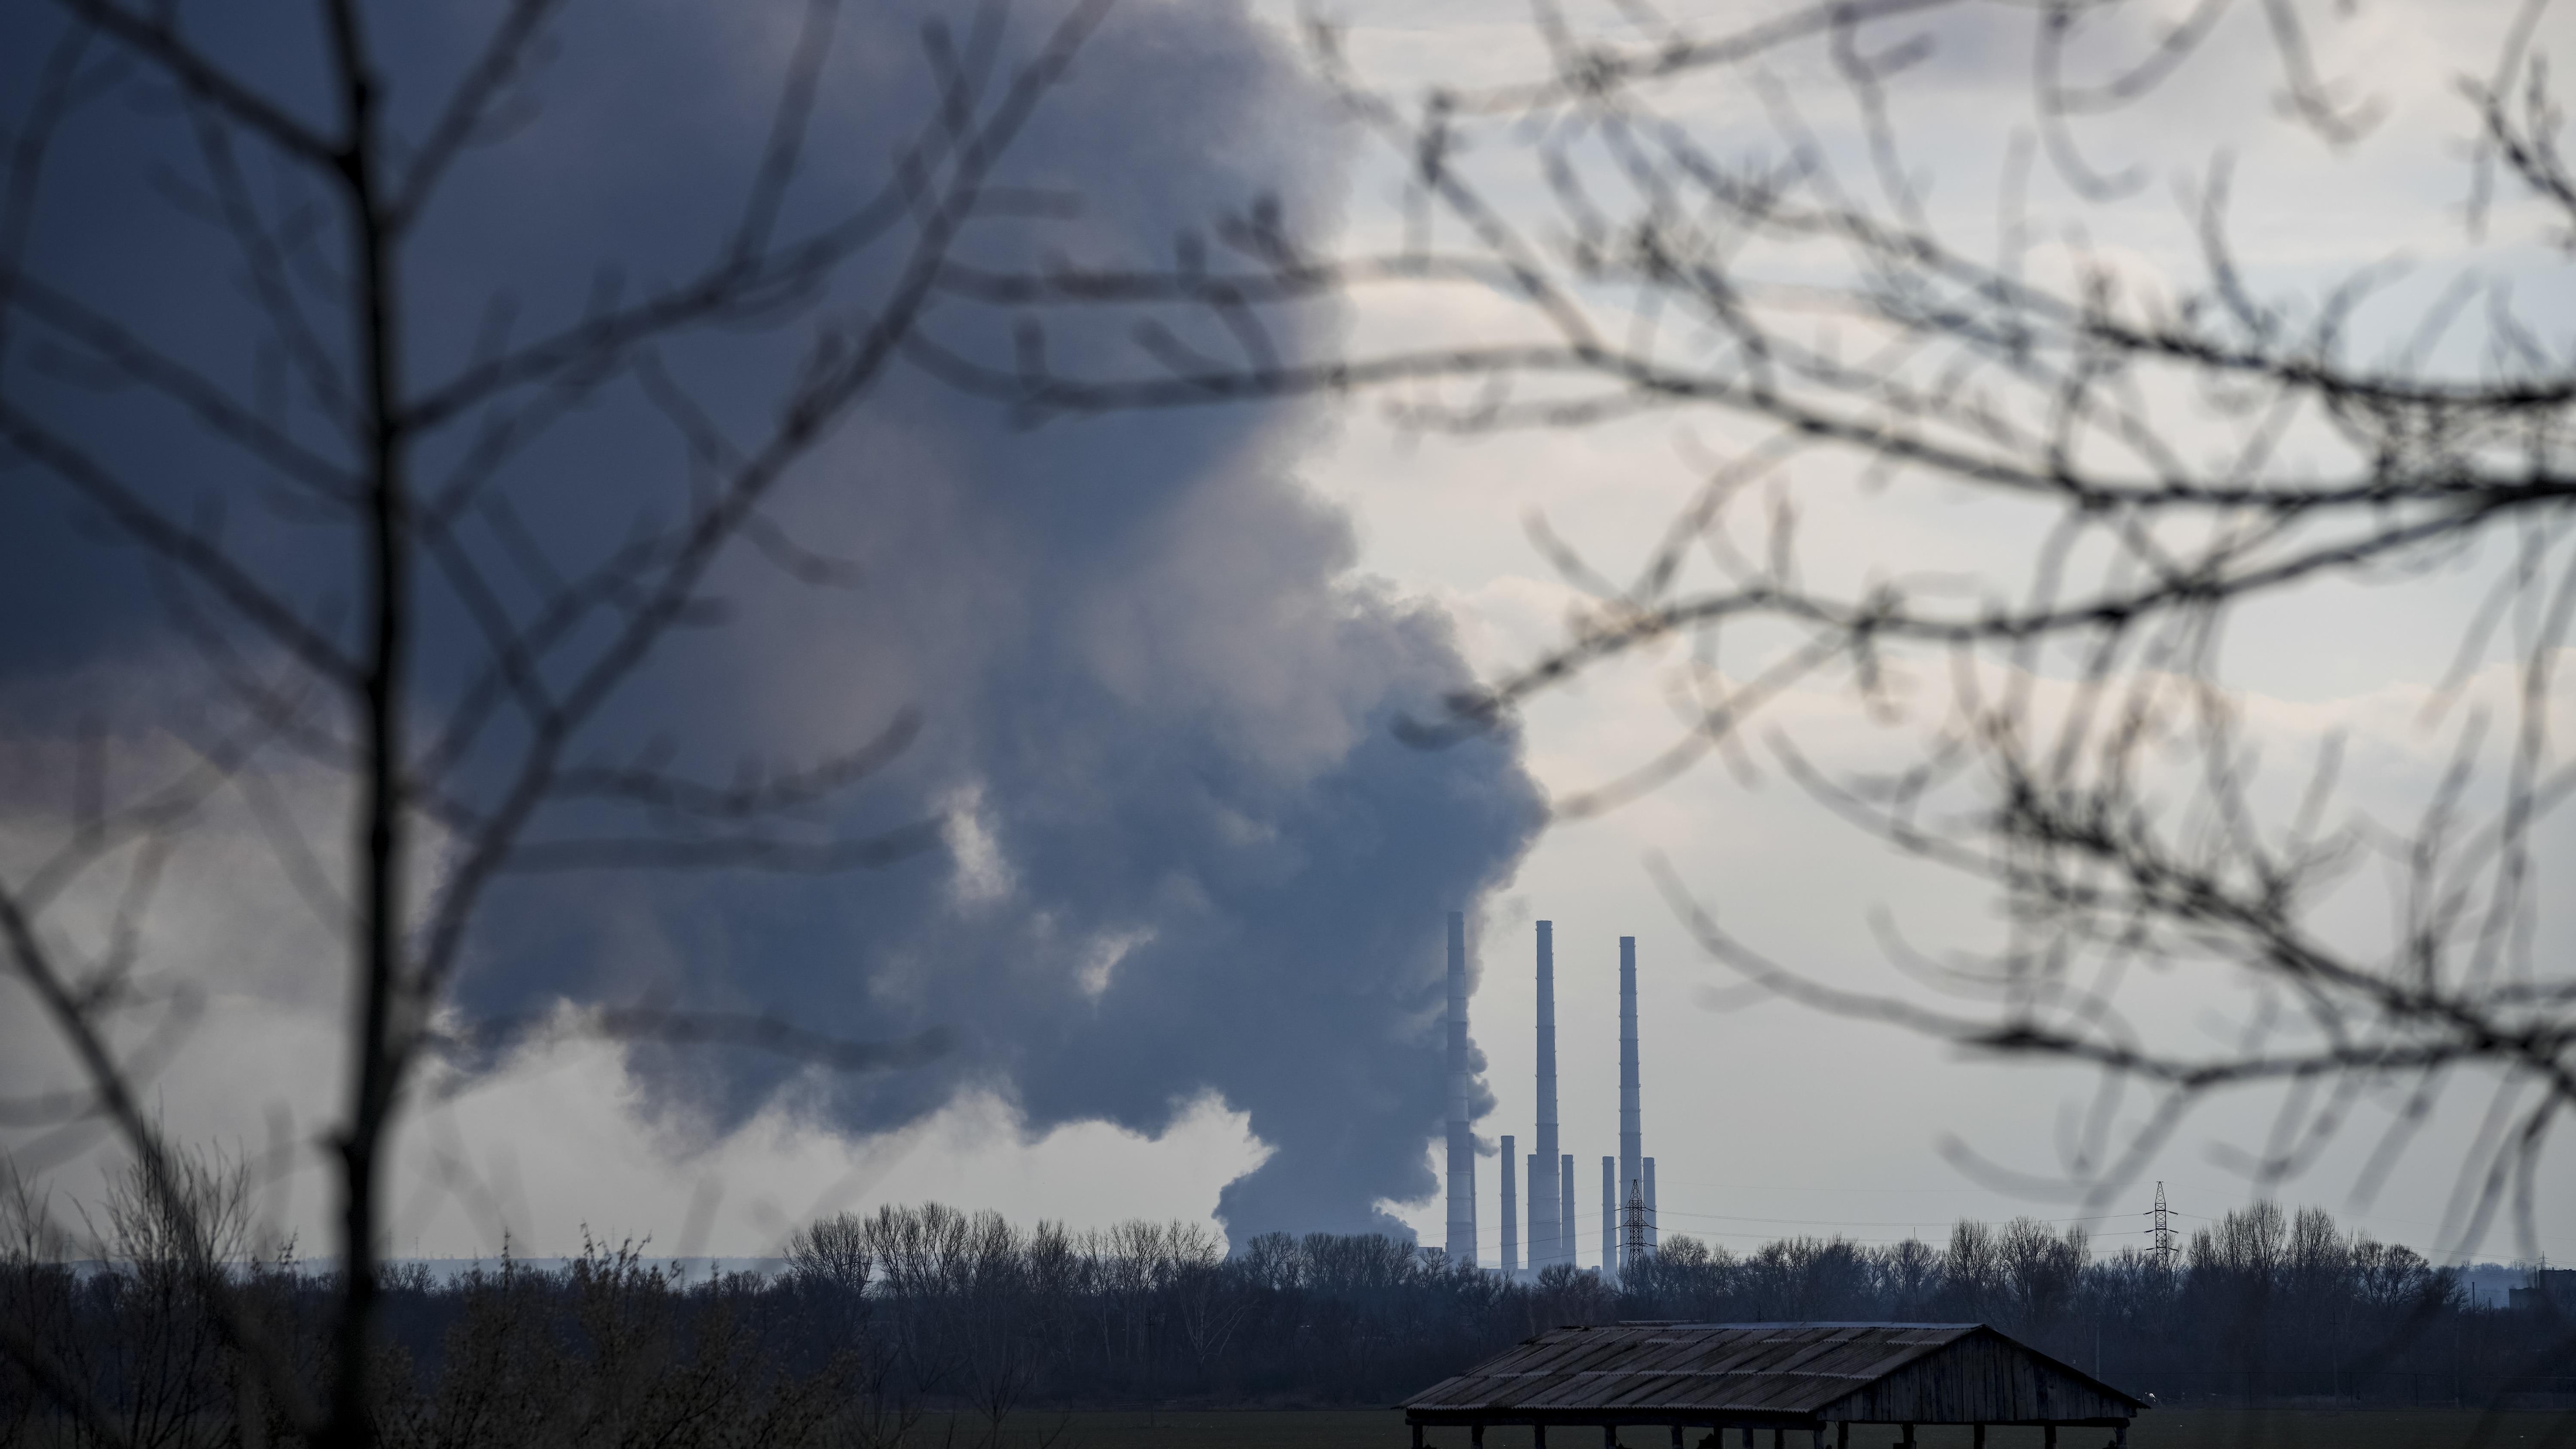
(1632, 1133)
(1537, 1247)
(1511, 1225)
(1462, 1144)
(1565, 1208)
(1609, 1221)
(1549, 1242)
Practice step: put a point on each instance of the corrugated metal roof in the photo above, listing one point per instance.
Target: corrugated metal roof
(1702, 1371)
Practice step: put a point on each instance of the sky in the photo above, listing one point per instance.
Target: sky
(1185, 929)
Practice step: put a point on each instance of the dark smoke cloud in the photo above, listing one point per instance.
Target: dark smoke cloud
(1190, 854)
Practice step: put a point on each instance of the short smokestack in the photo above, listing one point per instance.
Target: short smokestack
(1650, 1204)
(1632, 1132)
(1609, 1220)
(1511, 1222)
(1462, 1142)
(1565, 1207)
(1549, 1242)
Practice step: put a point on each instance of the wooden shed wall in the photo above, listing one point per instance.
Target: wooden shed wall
(1981, 1379)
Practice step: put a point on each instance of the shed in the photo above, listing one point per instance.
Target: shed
(1785, 1377)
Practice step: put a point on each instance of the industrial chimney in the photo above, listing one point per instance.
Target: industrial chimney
(1511, 1227)
(1632, 1133)
(1565, 1208)
(1537, 1245)
(1549, 1242)
(1462, 1142)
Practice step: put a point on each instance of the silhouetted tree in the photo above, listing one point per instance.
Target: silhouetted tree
(410, 465)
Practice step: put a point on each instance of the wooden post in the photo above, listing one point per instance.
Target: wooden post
(2119, 1436)
(1476, 1435)
(2051, 1440)
(1979, 1438)
(1610, 1437)
(1538, 1435)
(1417, 1436)
(1909, 1437)
(1842, 1435)
(1677, 1436)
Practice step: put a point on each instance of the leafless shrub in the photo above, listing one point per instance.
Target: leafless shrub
(130, 1327)
(616, 1350)
(35, 1302)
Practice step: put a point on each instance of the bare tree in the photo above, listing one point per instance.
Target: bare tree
(833, 1250)
(405, 467)
(1657, 221)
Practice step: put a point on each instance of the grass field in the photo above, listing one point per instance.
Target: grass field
(1384, 1429)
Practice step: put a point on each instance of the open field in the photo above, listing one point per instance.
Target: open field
(1384, 1429)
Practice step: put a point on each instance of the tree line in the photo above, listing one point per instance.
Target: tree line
(881, 1321)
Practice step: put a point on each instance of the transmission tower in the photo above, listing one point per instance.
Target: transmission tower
(2165, 1247)
(1632, 1229)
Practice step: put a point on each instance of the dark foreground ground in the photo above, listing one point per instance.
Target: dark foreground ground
(1382, 1429)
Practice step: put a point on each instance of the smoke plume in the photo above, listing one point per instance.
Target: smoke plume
(1185, 851)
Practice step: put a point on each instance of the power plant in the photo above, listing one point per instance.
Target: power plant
(1627, 1221)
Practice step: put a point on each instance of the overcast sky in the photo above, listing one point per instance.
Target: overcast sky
(1172, 650)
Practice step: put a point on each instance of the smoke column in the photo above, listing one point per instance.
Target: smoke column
(1462, 1142)
(1186, 856)
(1549, 1242)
